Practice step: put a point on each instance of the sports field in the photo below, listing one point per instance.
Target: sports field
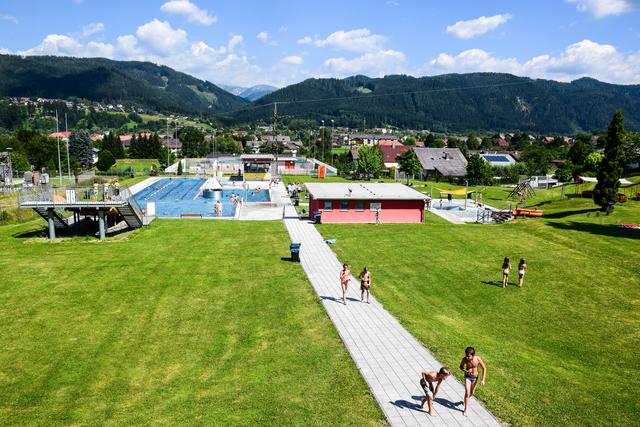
(183, 322)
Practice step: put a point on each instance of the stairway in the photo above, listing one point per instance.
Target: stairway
(502, 216)
(131, 217)
(58, 221)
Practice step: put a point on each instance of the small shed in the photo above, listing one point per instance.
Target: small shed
(361, 202)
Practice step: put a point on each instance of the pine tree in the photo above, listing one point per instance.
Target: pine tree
(81, 148)
(605, 193)
(105, 161)
(134, 148)
(180, 167)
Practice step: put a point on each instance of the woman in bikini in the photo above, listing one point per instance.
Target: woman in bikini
(469, 365)
(522, 267)
(365, 284)
(506, 267)
(345, 273)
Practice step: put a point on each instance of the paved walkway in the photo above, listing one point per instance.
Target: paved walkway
(389, 358)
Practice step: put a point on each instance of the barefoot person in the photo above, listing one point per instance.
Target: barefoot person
(365, 284)
(469, 365)
(522, 267)
(426, 382)
(506, 267)
(344, 281)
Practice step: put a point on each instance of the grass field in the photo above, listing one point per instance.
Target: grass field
(183, 322)
(561, 350)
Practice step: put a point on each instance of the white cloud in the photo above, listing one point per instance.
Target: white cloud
(160, 37)
(234, 41)
(264, 37)
(293, 59)
(360, 40)
(371, 63)
(583, 59)
(10, 18)
(58, 44)
(189, 10)
(603, 8)
(305, 40)
(91, 29)
(477, 27)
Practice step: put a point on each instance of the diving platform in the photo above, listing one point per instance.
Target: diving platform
(110, 206)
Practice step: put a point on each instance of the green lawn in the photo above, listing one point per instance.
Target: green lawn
(561, 350)
(183, 322)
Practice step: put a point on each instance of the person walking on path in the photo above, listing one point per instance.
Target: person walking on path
(427, 379)
(522, 267)
(506, 267)
(365, 284)
(469, 365)
(345, 273)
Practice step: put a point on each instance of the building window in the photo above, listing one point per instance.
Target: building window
(360, 206)
(328, 205)
(344, 205)
(375, 206)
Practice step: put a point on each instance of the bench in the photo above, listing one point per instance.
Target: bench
(190, 215)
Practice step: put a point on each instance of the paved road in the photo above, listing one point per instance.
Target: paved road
(389, 358)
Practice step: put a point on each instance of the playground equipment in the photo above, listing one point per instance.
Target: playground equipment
(524, 190)
(527, 212)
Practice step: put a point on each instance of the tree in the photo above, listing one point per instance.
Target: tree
(410, 140)
(578, 152)
(180, 167)
(606, 190)
(409, 163)
(592, 163)
(81, 147)
(478, 171)
(370, 161)
(565, 172)
(105, 161)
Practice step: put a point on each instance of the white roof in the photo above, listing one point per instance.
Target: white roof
(623, 181)
(362, 191)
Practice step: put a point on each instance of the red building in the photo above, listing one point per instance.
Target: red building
(362, 202)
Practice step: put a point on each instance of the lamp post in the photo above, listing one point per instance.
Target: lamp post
(58, 143)
(331, 140)
(322, 140)
(10, 183)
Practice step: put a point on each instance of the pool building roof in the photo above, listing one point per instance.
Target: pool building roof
(362, 191)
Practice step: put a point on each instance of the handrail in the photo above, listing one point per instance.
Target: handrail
(72, 195)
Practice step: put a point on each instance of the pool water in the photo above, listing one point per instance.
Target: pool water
(179, 196)
(459, 211)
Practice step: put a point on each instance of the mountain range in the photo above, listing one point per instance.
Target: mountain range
(450, 102)
(249, 93)
(143, 84)
(454, 102)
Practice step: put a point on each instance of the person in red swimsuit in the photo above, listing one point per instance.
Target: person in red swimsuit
(469, 365)
(345, 273)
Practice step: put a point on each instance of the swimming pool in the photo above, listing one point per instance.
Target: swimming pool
(182, 196)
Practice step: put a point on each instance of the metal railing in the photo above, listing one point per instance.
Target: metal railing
(70, 196)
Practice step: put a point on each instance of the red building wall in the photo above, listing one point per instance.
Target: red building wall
(392, 211)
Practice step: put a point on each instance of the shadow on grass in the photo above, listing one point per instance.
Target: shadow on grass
(288, 259)
(405, 404)
(492, 283)
(564, 214)
(42, 232)
(611, 230)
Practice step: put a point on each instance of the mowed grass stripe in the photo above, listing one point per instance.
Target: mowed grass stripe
(560, 351)
(182, 322)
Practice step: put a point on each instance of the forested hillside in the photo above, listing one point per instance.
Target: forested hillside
(143, 84)
(455, 102)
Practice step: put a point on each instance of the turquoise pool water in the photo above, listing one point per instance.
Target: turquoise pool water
(179, 196)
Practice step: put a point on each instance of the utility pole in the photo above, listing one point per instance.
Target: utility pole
(58, 140)
(322, 140)
(167, 144)
(275, 134)
(66, 130)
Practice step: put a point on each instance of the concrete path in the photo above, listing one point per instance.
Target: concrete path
(389, 358)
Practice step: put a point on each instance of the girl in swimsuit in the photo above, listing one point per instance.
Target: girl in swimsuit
(344, 281)
(469, 365)
(521, 269)
(506, 266)
(365, 284)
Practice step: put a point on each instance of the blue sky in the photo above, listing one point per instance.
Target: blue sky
(275, 42)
